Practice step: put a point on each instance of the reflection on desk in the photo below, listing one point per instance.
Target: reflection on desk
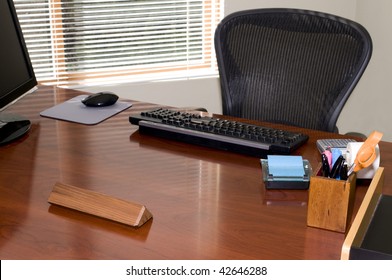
(207, 204)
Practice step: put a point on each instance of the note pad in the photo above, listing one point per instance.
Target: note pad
(286, 166)
(74, 110)
(286, 172)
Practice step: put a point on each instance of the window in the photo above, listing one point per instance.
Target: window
(90, 41)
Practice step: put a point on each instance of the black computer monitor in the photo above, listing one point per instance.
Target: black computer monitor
(16, 73)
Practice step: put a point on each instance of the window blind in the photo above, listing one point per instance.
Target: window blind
(74, 42)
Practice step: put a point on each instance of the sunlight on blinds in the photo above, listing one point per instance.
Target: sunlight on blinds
(91, 41)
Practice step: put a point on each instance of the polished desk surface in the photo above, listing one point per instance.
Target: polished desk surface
(207, 204)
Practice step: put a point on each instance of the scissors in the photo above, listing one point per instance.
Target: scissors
(366, 155)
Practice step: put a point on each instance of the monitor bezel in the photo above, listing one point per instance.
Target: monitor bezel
(30, 84)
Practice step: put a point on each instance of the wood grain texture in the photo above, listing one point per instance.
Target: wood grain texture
(365, 213)
(330, 202)
(101, 205)
(207, 204)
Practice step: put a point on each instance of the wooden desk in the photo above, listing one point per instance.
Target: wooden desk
(207, 204)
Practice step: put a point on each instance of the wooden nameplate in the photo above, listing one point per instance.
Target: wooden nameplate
(97, 204)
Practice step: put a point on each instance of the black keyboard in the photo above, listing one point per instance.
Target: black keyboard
(218, 133)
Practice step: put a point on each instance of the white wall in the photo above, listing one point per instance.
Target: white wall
(203, 92)
(367, 108)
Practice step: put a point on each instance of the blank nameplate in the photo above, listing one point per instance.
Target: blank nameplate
(97, 204)
(74, 110)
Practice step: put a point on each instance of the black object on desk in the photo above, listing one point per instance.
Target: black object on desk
(12, 127)
(100, 99)
(217, 133)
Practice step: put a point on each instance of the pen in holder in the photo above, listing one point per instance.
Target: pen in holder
(330, 201)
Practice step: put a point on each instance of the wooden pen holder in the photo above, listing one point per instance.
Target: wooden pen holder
(330, 202)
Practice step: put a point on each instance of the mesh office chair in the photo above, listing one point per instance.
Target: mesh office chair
(289, 66)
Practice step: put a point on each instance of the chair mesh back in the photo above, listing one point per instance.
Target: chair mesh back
(289, 66)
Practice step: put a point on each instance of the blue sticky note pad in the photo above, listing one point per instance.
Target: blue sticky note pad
(286, 166)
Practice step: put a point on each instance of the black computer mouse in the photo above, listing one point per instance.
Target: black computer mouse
(100, 99)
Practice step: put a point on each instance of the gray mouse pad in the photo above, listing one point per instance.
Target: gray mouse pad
(74, 110)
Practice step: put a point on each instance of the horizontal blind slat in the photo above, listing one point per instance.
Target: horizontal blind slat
(74, 38)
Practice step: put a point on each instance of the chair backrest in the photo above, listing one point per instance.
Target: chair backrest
(289, 66)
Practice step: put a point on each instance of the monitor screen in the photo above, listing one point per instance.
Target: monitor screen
(16, 73)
